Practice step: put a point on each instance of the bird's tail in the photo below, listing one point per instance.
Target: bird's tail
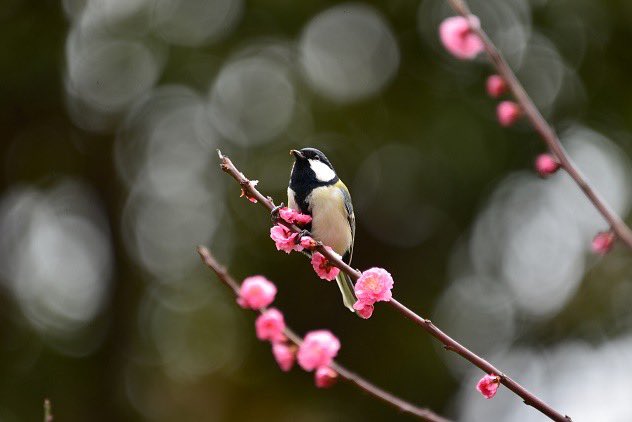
(346, 288)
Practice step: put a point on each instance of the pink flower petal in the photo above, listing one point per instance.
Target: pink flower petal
(284, 239)
(285, 355)
(323, 268)
(292, 216)
(459, 39)
(365, 310)
(374, 285)
(325, 377)
(270, 325)
(256, 292)
(318, 349)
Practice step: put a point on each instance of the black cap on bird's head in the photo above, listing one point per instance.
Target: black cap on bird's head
(310, 154)
(311, 166)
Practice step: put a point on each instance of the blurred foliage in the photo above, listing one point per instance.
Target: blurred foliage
(110, 111)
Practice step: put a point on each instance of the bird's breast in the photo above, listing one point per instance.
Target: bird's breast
(329, 218)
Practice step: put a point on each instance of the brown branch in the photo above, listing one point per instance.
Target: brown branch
(448, 342)
(344, 373)
(544, 129)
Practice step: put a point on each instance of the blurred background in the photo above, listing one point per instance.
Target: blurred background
(110, 114)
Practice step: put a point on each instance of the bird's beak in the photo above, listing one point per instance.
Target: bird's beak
(297, 154)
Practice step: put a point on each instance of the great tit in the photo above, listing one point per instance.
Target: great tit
(316, 189)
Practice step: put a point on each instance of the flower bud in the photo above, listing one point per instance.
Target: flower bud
(325, 377)
(508, 113)
(546, 165)
(603, 242)
(496, 86)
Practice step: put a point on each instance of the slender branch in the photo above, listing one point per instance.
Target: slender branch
(48, 414)
(449, 343)
(544, 129)
(344, 373)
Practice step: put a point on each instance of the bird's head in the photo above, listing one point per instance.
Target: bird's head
(313, 165)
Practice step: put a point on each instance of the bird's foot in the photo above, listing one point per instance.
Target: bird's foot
(274, 214)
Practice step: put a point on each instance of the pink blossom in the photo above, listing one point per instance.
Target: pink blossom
(488, 385)
(603, 242)
(365, 310)
(308, 243)
(284, 239)
(270, 325)
(325, 377)
(458, 37)
(284, 355)
(252, 199)
(294, 217)
(508, 113)
(496, 86)
(546, 165)
(318, 349)
(256, 292)
(374, 285)
(323, 268)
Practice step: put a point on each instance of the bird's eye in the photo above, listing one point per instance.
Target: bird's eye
(316, 157)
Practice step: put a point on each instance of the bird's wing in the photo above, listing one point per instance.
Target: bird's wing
(350, 218)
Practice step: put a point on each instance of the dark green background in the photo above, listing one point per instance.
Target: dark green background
(434, 105)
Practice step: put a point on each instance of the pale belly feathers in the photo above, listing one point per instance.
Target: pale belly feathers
(329, 217)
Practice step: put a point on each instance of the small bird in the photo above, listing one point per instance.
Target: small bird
(316, 189)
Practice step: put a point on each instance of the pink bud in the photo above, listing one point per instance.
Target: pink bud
(323, 268)
(458, 37)
(496, 86)
(365, 310)
(488, 385)
(284, 355)
(256, 292)
(603, 242)
(318, 349)
(508, 112)
(546, 165)
(374, 285)
(270, 325)
(325, 377)
(308, 243)
(284, 239)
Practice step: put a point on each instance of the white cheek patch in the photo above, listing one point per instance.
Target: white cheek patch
(323, 172)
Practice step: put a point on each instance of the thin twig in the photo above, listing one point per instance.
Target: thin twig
(448, 342)
(544, 129)
(48, 414)
(344, 373)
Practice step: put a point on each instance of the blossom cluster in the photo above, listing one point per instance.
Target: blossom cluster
(287, 241)
(317, 350)
(374, 285)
